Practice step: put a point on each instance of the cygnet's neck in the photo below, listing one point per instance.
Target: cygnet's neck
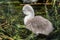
(28, 17)
(31, 15)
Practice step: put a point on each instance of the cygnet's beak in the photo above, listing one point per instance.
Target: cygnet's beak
(23, 14)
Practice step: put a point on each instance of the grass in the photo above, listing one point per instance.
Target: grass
(13, 27)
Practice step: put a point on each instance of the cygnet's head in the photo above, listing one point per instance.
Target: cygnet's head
(28, 10)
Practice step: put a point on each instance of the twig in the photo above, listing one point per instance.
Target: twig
(39, 4)
(3, 24)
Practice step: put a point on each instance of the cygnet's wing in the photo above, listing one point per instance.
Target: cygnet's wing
(39, 25)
